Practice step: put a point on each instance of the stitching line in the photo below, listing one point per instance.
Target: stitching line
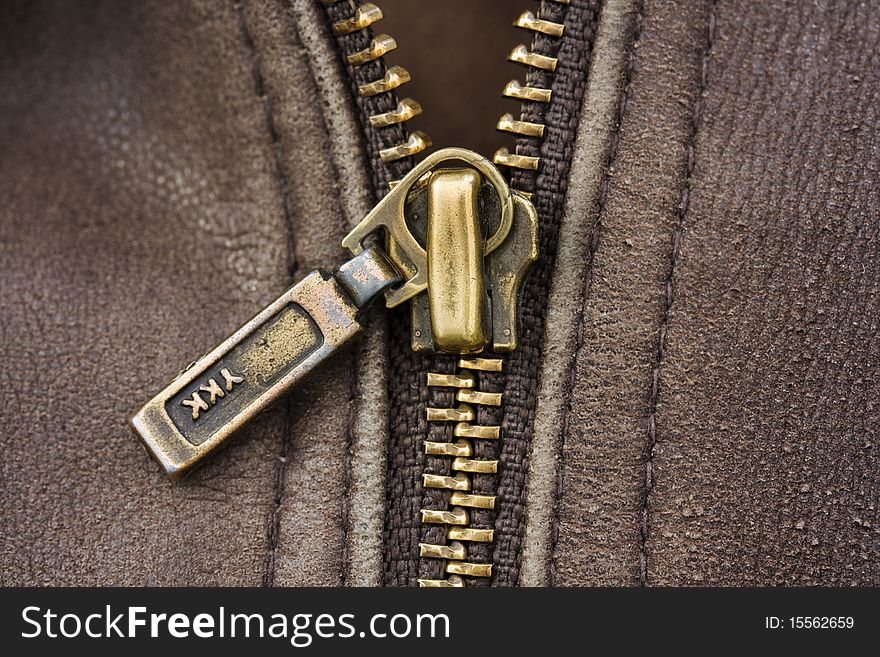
(353, 377)
(669, 296)
(273, 526)
(594, 245)
(570, 84)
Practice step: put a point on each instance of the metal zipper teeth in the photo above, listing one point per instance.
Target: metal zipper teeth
(388, 116)
(540, 59)
(377, 86)
(535, 95)
(460, 532)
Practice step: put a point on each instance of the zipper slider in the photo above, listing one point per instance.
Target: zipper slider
(465, 242)
(464, 289)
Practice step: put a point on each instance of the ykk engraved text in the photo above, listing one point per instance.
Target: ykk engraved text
(213, 390)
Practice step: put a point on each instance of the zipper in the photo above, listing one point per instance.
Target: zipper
(481, 234)
(472, 482)
(541, 60)
(461, 449)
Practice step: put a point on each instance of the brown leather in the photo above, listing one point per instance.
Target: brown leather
(723, 421)
(597, 142)
(153, 197)
(168, 168)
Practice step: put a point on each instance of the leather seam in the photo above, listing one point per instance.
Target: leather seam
(550, 199)
(669, 292)
(273, 530)
(613, 149)
(353, 378)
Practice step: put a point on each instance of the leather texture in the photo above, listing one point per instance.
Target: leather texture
(722, 422)
(705, 397)
(156, 190)
(596, 142)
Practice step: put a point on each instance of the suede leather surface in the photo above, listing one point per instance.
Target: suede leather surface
(596, 142)
(723, 418)
(147, 210)
(764, 468)
(168, 168)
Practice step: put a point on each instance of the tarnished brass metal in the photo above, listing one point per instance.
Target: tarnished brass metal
(451, 380)
(365, 15)
(522, 55)
(415, 143)
(475, 501)
(465, 467)
(509, 124)
(507, 159)
(453, 582)
(515, 89)
(467, 568)
(379, 45)
(528, 21)
(456, 237)
(470, 534)
(249, 370)
(457, 516)
(405, 110)
(444, 213)
(479, 397)
(409, 255)
(457, 297)
(461, 414)
(483, 364)
(458, 448)
(468, 430)
(394, 77)
(508, 266)
(454, 550)
(472, 465)
(458, 482)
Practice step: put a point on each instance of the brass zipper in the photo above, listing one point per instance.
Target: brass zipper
(465, 383)
(461, 500)
(540, 60)
(361, 19)
(479, 232)
(460, 532)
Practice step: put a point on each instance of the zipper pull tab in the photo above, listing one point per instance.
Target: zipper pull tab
(252, 368)
(458, 302)
(464, 289)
